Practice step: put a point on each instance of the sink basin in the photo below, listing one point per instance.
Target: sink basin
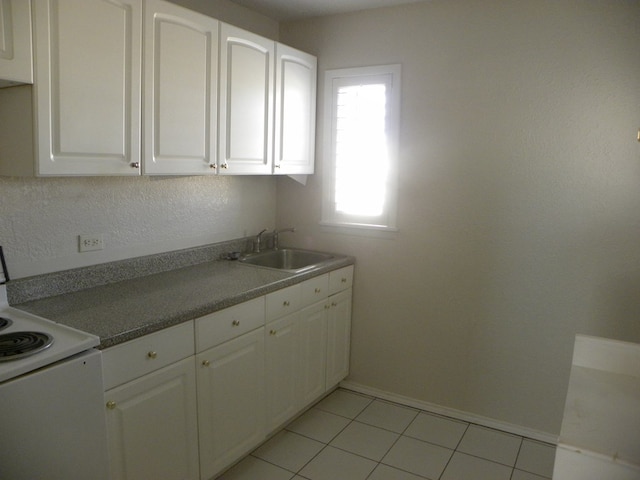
(286, 259)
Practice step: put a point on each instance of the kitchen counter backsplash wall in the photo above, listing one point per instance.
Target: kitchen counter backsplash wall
(41, 219)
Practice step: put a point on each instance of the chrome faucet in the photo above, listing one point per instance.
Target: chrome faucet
(276, 233)
(258, 242)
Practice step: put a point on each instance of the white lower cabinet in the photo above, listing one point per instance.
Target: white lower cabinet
(152, 425)
(175, 416)
(338, 337)
(281, 363)
(230, 401)
(312, 328)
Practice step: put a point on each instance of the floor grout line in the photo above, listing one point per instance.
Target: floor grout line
(403, 433)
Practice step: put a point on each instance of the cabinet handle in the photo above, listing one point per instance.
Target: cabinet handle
(334, 304)
(286, 303)
(206, 363)
(224, 165)
(272, 332)
(212, 166)
(152, 354)
(318, 290)
(327, 307)
(343, 280)
(111, 404)
(135, 164)
(277, 166)
(235, 323)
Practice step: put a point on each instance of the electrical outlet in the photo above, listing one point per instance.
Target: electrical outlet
(88, 243)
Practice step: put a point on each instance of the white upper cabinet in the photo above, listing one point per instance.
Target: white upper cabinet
(16, 59)
(180, 90)
(88, 62)
(295, 115)
(246, 102)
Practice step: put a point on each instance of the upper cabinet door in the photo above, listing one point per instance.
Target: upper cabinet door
(16, 59)
(295, 116)
(180, 91)
(87, 72)
(246, 102)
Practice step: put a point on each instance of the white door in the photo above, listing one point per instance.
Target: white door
(180, 91)
(295, 111)
(338, 337)
(152, 425)
(313, 352)
(16, 61)
(281, 345)
(87, 75)
(231, 405)
(246, 102)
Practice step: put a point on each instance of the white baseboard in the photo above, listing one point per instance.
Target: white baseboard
(453, 413)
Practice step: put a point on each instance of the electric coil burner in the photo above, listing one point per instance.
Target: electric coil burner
(29, 342)
(4, 323)
(16, 345)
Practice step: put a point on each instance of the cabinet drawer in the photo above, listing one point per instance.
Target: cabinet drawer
(340, 279)
(218, 327)
(138, 357)
(283, 302)
(314, 290)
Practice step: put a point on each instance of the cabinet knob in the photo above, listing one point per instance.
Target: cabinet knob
(334, 304)
(135, 164)
(277, 165)
(272, 332)
(343, 280)
(224, 165)
(212, 166)
(327, 307)
(206, 363)
(235, 323)
(111, 404)
(286, 303)
(318, 290)
(152, 354)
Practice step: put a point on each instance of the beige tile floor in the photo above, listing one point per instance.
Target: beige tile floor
(349, 436)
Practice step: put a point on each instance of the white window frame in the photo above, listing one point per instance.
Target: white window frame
(334, 78)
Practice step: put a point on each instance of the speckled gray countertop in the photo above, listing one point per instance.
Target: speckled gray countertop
(127, 309)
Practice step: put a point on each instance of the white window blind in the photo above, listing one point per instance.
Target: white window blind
(361, 132)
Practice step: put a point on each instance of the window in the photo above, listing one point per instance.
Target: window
(361, 143)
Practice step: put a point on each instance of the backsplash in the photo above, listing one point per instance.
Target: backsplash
(58, 283)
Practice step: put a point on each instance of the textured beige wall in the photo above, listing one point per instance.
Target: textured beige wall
(40, 219)
(519, 203)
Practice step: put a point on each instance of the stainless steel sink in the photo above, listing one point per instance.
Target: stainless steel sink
(287, 259)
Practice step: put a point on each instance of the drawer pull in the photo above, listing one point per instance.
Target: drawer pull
(272, 332)
(236, 323)
(334, 304)
(152, 355)
(343, 280)
(111, 404)
(318, 290)
(327, 307)
(206, 363)
(286, 303)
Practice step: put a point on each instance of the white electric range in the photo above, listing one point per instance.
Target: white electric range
(29, 342)
(52, 412)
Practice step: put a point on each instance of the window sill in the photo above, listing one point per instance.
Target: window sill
(378, 231)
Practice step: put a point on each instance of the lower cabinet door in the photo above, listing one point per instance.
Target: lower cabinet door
(281, 343)
(231, 401)
(313, 352)
(152, 425)
(338, 337)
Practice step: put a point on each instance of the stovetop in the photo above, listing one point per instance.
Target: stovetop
(54, 341)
